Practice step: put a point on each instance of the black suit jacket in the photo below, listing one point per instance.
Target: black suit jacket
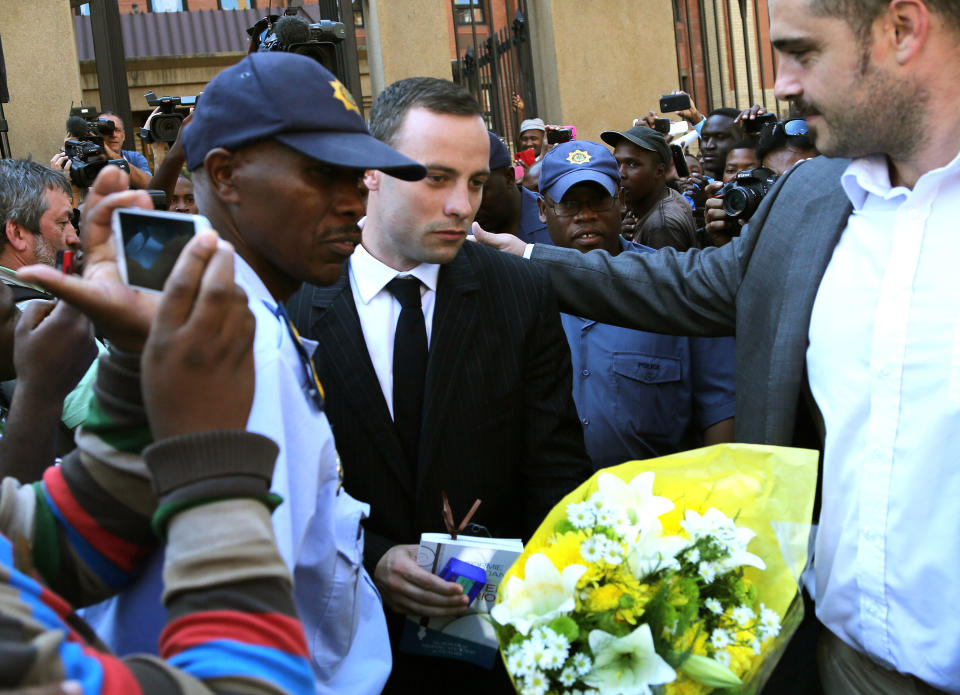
(499, 422)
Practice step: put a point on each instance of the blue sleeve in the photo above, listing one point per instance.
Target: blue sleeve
(137, 160)
(713, 365)
(699, 126)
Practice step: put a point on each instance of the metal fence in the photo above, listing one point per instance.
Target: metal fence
(724, 53)
(495, 62)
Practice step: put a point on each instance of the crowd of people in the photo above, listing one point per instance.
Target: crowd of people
(221, 487)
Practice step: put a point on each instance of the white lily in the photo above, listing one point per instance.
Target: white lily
(542, 595)
(736, 538)
(652, 551)
(626, 665)
(636, 496)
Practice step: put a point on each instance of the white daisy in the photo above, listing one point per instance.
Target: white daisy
(580, 515)
(743, 615)
(568, 676)
(581, 662)
(713, 605)
(720, 638)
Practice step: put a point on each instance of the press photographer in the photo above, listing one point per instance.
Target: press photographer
(92, 144)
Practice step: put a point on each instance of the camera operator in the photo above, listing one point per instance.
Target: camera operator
(139, 168)
(781, 145)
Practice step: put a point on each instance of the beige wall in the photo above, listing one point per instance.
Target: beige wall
(408, 38)
(601, 63)
(42, 81)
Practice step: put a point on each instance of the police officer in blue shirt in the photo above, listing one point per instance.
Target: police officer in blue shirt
(638, 394)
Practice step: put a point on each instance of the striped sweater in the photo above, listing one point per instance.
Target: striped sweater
(79, 535)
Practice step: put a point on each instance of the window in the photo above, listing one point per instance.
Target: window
(166, 5)
(358, 14)
(467, 12)
(237, 4)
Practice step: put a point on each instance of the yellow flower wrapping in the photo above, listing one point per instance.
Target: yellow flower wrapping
(765, 488)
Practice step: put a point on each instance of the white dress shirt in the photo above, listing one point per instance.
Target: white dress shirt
(884, 368)
(379, 310)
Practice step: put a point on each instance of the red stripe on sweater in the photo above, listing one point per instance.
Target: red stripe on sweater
(122, 553)
(117, 678)
(273, 630)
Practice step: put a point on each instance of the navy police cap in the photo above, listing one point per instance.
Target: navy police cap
(577, 161)
(296, 101)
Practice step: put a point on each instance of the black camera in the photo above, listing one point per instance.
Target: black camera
(558, 136)
(84, 147)
(742, 196)
(318, 40)
(759, 123)
(165, 125)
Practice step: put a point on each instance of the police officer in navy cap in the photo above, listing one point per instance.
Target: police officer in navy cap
(638, 394)
(506, 205)
(278, 147)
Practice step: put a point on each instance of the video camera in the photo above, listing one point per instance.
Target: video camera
(165, 125)
(84, 146)
(318, 41)
(742, 196)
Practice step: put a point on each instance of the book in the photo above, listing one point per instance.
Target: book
(469, 637)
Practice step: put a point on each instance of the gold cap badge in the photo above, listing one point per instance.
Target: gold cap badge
(345, 97)
(579, 157)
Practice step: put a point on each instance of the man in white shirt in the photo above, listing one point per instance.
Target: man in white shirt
(844, 281)
(284, 189)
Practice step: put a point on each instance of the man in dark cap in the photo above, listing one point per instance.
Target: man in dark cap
(283, 186)
(638, 394)
(507, 206)
(654, 215)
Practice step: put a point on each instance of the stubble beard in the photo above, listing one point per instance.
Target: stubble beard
(43, 251)
(888, 119)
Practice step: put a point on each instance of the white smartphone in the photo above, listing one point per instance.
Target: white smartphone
(150, 241)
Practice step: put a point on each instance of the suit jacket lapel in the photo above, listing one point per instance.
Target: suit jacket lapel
(454, 322)
(825, 217)
(342, 351)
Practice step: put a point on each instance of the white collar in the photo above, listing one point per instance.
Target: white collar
(870, 175)
(372, 275)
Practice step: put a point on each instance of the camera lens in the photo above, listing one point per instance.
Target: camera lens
(736, 202)
(165, 127)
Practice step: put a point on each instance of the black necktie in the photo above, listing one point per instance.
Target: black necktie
(409, 365)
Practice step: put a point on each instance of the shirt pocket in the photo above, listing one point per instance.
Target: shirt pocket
(331, 587)
(650, 394)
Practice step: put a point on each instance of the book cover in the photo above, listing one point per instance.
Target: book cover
(469, 637)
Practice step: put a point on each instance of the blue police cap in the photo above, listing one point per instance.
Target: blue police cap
(499, 154)
(296, 101)
(575, 162)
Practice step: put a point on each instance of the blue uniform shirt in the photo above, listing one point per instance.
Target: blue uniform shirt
(531, 229)
(640, 394)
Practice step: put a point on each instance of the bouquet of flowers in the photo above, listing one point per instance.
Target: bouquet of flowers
(675, 575)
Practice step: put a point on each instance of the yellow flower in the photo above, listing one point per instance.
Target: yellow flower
(564, 549)
(686, 686)
(603, 598)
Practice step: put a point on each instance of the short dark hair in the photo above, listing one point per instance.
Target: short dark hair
(725, 111)
(861, 14)
(23, 192)
(431, 93)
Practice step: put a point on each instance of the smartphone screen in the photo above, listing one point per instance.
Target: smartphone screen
(151, 244)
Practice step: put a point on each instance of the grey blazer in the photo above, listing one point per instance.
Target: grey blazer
(760, 288)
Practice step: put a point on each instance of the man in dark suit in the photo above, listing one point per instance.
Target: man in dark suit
(842, 293)
(445, 368)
